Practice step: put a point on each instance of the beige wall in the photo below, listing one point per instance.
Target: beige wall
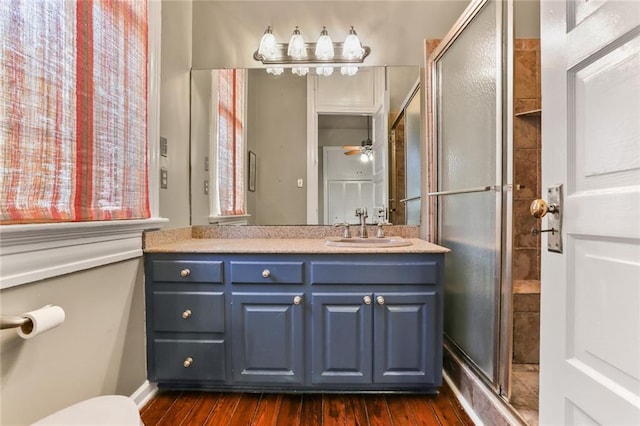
(277, 133)
(174, 109)
(98, 350)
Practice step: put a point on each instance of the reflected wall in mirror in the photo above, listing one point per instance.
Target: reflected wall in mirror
(296, 127)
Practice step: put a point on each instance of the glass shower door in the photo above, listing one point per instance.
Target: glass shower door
(469, 180)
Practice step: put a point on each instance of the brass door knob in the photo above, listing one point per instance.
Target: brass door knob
(187, 362)
(186, 314)
(297, 300)
(539, 208)
(185, 272)
(380, 300)
(367, 300)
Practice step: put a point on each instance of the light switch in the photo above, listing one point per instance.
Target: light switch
(300, 183)
(206, 163)
(164, 177)
(163, 146)
(206, 187)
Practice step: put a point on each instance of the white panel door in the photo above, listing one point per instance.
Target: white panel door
(380, 164)
(590, 312)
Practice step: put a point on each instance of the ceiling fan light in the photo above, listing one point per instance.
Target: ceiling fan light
(296, 49)
(268, 45)
(324, 46)
(364, 157)
(352, 48)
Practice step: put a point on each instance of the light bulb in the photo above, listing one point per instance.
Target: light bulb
(325, 71)
(324, 46)
(364, 157)
(275, 70)
(301, 71)
(352, 48)
(296, 47)
(349, 70)
(268, 45)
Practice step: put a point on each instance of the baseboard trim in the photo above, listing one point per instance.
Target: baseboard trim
(144, 393)
(463, 401)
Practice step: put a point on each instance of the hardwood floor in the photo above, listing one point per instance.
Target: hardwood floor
(213, 408)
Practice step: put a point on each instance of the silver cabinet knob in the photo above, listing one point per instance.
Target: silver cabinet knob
(367, 300)
(297, 300)
(266, 273)
(187, 362)
(185, 272)
(380, 300)
(186, 314)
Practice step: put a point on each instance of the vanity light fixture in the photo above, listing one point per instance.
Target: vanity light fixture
(324, 55)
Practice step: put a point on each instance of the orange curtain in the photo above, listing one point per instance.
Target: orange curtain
(230, 142)
(73, 103)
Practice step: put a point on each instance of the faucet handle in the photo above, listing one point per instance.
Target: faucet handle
(346, 233)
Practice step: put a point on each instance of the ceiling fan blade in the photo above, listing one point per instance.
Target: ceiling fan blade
(352, 152)
(350, 147)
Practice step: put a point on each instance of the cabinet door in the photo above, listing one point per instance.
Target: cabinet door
(268, 343)
(341, 337)
(405, 342)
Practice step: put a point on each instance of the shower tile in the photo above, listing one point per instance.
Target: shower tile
(525, 164)
(526, 337)
(526, 264)
(526, 79)
(523, 223)
(525, 132)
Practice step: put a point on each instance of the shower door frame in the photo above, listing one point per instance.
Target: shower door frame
(503, 336)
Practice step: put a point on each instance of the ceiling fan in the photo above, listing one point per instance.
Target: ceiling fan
(365, 147)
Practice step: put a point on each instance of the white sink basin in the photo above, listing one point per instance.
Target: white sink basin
(367, 242)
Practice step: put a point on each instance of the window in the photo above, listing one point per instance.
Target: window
(76, 114)
(229, 136)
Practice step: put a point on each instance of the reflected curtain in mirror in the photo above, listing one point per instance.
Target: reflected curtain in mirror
(230, 142)
(73, 129)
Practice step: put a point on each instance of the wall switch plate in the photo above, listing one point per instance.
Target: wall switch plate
(164, 177)
(206, 187)
(206, 163)
(300, 183)
(163, 146)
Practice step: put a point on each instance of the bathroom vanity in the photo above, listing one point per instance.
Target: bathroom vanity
(294, 315)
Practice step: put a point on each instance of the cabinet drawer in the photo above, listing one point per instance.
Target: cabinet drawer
(190, 271)
(188, 311)
(193, 360)
(267, 272)
(337, 272)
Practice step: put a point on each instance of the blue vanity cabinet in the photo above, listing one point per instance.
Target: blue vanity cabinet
(186, 319)
(295, 322)
(268, 338)
(341, 338)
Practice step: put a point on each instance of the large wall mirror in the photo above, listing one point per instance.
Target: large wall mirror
(320, 147)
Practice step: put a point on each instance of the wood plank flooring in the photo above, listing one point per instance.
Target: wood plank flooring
(214, 408)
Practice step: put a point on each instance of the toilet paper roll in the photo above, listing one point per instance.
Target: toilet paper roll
(41, 320)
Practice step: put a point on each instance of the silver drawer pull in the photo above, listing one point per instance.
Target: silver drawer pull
(380, 300)
(297, 300)
(187, 362)
(185, 272)
(367, 300)
(186, 314)
(266, 273)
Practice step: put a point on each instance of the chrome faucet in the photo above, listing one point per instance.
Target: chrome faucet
(362, 214)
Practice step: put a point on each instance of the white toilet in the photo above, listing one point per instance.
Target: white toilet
(102, 410)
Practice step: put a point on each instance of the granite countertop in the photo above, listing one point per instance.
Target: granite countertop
(282, 245)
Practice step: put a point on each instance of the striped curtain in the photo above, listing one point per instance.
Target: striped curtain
(230, 142)
(73, 110)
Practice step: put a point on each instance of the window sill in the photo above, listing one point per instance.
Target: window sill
(35, 252)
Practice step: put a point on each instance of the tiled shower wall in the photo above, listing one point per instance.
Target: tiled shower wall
(526, 247)
(526, 141)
